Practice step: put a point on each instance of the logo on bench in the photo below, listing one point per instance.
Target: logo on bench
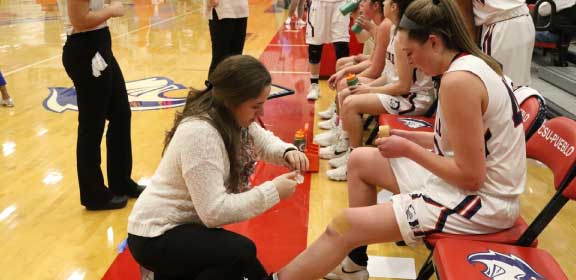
(501, 267)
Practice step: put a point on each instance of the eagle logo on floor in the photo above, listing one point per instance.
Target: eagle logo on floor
(503, 267)
(144, 94)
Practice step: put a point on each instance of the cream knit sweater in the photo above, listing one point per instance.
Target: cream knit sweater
(188, 186)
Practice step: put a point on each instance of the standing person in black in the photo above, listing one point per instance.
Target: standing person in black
(101, 92)
(227, 20)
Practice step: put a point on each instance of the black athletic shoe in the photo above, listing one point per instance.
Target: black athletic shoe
(135, 191)
(117, 202)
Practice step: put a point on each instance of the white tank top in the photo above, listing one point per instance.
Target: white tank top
(490, 11)
(505, 150)
(95, 5)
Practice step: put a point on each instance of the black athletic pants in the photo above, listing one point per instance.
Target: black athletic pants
(193, 251)
(99, 99)
(227, 36)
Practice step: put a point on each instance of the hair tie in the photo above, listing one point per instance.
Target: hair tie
(435, 2)
(209, 85)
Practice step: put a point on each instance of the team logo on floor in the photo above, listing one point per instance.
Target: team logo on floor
(500, 266)
(414, 123)
(145, 94)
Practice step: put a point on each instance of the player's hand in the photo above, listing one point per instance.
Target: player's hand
(393, 146)
(335, 78)
(359, 89)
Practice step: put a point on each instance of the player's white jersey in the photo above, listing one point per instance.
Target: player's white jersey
(505, 149)
(490, 11)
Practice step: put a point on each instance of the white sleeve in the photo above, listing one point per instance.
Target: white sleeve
(202, 157)
(268, 146)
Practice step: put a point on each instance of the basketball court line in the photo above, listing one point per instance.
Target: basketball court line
(115, 37)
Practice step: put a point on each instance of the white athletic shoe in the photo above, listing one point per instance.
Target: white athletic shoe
(328, 138)
(328, 124)
(328, 113)
(7, 102)
(288, 21)
(336, 150)
(300, 23)
(338, 174)
(314, 92)
(348, 270)
(340, 161)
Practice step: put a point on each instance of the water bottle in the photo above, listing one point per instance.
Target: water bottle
(352, 80)
(300, 140)
(349, 7)
(356, 28)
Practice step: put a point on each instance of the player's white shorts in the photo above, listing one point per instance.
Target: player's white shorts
(510, 40)
(411, 105)
(326, 24)
(418, 215)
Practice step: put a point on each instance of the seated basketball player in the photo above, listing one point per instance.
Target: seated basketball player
(202, 182)
(470, 184)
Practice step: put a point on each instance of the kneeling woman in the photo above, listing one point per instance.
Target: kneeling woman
(202, 182)
(469, 185)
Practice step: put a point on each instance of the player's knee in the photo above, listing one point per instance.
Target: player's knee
(349, 104)
(357, 160)
(314, 53)
(339, 225)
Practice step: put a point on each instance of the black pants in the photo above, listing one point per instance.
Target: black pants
(228, 36)
(99, 99)
(192, 251)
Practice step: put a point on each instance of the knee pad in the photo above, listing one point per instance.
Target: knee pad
(314, 53)
(341, 49)
(340, 223)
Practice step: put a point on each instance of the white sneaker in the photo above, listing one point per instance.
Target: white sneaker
(300, 23)
(328, 113)
(328, 124)
(328, 138)
(288, 21)
(314, 92)
(7, 102)
(336, 150)
(340, 161)
(348, 270)
(338, 174)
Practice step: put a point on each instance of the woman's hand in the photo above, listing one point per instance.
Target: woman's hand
(393, 146)
(285, 184)
(297, 160)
